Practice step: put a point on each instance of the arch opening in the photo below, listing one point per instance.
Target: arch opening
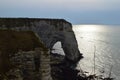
(57, 49)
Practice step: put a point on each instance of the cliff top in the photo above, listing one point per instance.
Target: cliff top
(26, 21)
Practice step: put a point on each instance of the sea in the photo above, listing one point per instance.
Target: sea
(100, 46)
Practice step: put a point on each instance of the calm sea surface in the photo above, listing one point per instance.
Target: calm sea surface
(100, 45)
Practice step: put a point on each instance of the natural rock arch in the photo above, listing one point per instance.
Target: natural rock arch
(51, 34)
(50, 31)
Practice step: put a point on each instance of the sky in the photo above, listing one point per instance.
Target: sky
(74, 11)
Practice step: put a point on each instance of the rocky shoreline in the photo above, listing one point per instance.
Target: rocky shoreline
(61, 70)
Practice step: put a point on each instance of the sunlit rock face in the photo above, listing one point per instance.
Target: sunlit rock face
(49, 30)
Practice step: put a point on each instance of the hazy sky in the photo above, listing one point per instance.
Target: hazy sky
(75, 11)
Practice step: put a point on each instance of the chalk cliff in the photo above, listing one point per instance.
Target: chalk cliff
(49, 30)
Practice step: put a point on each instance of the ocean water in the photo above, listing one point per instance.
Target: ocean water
(100, 45)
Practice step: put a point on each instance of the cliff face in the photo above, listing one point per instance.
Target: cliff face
(23, 56)
(31, 65)
(49, 30)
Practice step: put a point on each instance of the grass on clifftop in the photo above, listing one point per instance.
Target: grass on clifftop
(12, 41)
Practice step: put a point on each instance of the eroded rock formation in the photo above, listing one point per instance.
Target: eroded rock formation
(50, 31)
(31, 65)
(23, 56)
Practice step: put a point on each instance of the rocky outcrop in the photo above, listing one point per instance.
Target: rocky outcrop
(50, 31)
(31, 65)
(23, 56)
